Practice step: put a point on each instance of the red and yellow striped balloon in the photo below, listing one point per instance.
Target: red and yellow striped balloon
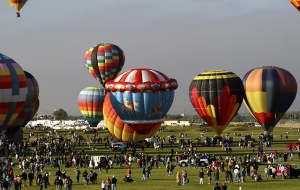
(13, 90)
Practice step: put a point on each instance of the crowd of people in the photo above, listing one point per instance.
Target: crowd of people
(32, 156)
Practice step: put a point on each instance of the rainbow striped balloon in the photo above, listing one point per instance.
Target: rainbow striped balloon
(104, 61)
(90, 103)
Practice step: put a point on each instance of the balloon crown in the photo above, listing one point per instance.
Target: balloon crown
(141, 80)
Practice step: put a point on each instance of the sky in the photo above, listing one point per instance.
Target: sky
(181, 38)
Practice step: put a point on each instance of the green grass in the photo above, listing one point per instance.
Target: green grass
(159, 180)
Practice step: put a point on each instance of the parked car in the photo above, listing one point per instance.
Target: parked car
(182, 163)
(99, 159)
(118, 146)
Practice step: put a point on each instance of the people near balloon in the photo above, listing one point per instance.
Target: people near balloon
(104, 61)
(18, 4)
(296, 4)
(216, 96)
(90, 103)
(269, 92)
(136, 103)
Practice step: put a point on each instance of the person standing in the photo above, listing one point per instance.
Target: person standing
(103, 185)
(114, 183)
(184, 177)
(178, 178)
(209, 175)
(216, 173)
(243, 175)
(46, 180)
(266, 172)
(84, 176)
(128, 172)
(24, 178)
(224, 186)
(77, 174)
(144, 174)
(217, 187)
(108, 183)
(201, 176)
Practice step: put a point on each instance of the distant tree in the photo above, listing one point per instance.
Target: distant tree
(60, 114)
(173, 117)
(73, 117)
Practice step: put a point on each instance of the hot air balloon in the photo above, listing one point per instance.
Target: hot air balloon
(13, 90)
(18, 4)
(296, 4)
(104, 61)
(90, 103)
(29, 108)
(217, 96)
(269, 92)
(136, 103)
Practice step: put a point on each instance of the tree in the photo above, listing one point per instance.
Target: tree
(60, 114)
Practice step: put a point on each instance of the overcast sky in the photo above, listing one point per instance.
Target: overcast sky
(180, 38)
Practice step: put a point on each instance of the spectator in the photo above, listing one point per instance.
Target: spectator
(114, 183)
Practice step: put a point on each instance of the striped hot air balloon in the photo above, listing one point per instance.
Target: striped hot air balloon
(13, 90)
(269, 92)
(104, 61)
(90, 103)
(217, 96)
(136, 103)
(31, 100)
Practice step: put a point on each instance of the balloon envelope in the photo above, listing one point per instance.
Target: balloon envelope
(139, 98)
(296, 4)
(13, 90)
(269, 92)
(29, 108)
(216, 96)
(18, 4)
(104, 61)
(90, 103)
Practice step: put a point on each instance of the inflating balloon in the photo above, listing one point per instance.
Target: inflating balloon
(217, 96)
(136, 103)
(90, 103)
(269, 92)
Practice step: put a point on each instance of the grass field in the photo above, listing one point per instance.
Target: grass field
(159, 180)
